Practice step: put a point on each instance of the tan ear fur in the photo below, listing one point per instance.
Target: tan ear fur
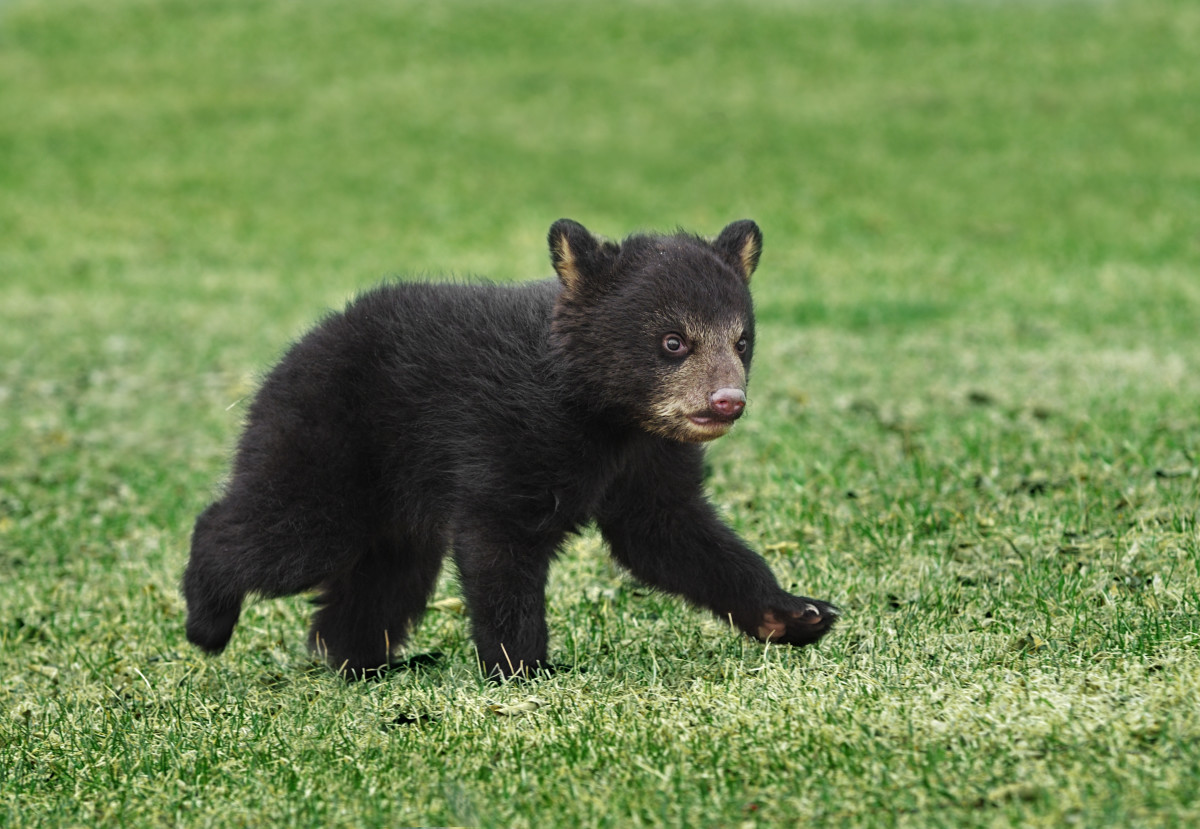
(565, 263)
(573, 252)
(750, 252)
(740, 244)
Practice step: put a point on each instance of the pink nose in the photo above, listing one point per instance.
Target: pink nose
(728, 402)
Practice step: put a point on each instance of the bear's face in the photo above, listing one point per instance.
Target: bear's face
(660, 330)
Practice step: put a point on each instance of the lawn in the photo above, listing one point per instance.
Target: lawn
(974, 418)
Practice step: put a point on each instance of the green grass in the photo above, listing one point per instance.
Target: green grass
(974, 423)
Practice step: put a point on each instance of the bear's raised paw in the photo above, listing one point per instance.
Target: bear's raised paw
(802, 623)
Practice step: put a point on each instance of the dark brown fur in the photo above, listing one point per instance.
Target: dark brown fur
(493, 421)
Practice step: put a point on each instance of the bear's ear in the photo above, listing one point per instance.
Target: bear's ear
(739, 244)
(574, 252)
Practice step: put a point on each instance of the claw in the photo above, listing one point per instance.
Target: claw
(797, 627)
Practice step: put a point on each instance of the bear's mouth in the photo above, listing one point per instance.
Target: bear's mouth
(708, 416)
(711, 423)
(699, 426)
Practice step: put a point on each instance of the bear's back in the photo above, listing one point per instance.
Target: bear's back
(424, 388)
(435, 353)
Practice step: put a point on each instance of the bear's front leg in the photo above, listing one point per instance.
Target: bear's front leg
(689, 552)
(503, 577)
(660, 526)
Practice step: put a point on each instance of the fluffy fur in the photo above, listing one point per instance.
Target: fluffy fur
(491, 422)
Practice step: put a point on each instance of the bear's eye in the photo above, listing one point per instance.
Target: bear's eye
(674, 344)
(741, 345)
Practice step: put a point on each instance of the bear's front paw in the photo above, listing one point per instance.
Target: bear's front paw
(801, 622)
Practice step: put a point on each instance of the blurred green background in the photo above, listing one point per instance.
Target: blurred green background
(975, 412)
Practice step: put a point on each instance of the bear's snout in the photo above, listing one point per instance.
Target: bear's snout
(727, 403)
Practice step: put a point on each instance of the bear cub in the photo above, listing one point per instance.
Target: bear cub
(491, 421)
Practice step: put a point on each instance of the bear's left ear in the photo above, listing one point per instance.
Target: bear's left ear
(575, 253)
(739, 244)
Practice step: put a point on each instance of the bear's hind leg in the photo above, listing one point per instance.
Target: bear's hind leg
(369, 610)
(244, 544)
(210, 584)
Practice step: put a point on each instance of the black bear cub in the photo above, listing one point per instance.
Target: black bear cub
(492, 421)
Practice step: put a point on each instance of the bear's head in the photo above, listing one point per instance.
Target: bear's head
(657, 331)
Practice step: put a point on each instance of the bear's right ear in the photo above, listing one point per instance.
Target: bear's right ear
(739, 244)
(574, 252)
